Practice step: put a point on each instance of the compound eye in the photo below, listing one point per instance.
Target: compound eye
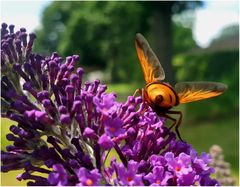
(159, 99)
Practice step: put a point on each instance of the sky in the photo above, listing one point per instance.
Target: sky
(210, 19)
(214, 16)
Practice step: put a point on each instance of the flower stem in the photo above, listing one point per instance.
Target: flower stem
(121, 156)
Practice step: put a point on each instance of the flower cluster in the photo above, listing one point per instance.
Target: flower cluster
(222, 168)
(66, 129)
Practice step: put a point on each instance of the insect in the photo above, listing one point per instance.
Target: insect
(161, 96)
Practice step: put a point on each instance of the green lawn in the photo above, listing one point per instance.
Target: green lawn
(200, 134)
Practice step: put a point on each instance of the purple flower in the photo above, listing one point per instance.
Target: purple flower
(68, 128)
(207, 181)
(129, 176)
(113, 126)
(180, 165)
(187, 179)
(156, 160)
(88, 178)
(105, 103)
(105, 142)
(59, 177)
(201, 163)
(158, 176)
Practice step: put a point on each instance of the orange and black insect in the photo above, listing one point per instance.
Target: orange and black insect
(161, 96)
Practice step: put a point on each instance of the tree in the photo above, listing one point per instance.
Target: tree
(54, 18)
(161, 29)
(103, 33)
(182, 38)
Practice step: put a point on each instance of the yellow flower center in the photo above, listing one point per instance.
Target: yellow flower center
(129, 179)
(89, 182)
(112, 129)
(178, 168)
(158, 182)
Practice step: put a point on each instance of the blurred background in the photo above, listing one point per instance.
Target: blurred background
(194, 40)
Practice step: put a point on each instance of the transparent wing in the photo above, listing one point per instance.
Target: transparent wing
(150, 64)
(195, 91)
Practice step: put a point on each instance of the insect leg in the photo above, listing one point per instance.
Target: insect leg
(178, 123)
(138, 91)
(175, 123)
(169, 117)
(141, 92)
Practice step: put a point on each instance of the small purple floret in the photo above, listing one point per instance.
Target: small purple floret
(59, 177)
(105, 142)
(88, 178)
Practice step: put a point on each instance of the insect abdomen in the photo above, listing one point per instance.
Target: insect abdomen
(161, 95)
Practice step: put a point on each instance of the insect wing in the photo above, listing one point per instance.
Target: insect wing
(195, 91)
(150, 64)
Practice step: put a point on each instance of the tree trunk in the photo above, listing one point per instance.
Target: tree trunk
(162, 42)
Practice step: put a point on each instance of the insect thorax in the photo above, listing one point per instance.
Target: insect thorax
(161, 95)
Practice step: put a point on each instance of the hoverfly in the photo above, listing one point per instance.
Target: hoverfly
(161, 96)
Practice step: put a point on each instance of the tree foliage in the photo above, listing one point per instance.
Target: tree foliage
(54, 19)
(182, 39)
(219, 66)
(102, 33)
